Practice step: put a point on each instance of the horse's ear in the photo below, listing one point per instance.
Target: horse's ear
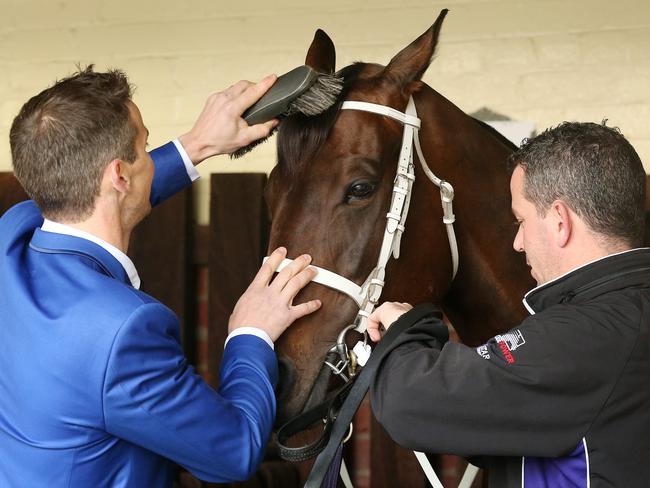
(411, 62)
(322, 54)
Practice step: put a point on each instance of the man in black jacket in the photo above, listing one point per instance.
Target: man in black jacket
(563, 399)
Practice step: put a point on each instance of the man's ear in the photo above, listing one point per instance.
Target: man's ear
(116, 173)
(562, 222)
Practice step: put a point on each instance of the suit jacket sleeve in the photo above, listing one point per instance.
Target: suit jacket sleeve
(170, 175)
(153, 398)
(532, 393)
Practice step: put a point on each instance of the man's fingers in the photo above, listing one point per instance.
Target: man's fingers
(374, 335)
(253, 93)
(385, 315)
(267, 270)
(258, 131)
(234, 91)
(374, 323)
(290, 271)
(305, 308)
(373, 328)
(297, 283)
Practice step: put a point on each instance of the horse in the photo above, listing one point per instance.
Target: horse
(331, 188)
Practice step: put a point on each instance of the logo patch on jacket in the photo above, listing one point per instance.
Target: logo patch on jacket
(483, 351)
(507, 343)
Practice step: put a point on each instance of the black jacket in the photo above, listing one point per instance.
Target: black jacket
(563, 397)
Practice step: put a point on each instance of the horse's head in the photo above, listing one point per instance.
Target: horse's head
(329, 195)
(331, 190)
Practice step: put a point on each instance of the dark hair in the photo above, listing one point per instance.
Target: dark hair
(300, 137)
(594, 170)
(63, 138)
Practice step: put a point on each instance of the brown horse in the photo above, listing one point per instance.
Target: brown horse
(331, 189)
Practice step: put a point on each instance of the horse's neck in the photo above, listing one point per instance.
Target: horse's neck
(485, 297)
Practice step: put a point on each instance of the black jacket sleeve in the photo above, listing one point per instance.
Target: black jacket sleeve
(533, 391)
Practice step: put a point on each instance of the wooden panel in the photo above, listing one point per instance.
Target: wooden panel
(161, 247)
(10, 192)
(647, 210)
(238, 237)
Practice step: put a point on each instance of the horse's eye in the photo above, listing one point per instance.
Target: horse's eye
(360, 190)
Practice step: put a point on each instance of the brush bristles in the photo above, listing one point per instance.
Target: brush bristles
(249, 147)
(320, 96)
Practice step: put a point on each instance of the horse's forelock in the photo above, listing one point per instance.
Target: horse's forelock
(300, 136)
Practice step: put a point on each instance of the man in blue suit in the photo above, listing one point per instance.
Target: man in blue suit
(94, 388)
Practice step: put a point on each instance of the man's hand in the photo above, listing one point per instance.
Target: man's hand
(385, 315)
(220, 128)
(268, 305)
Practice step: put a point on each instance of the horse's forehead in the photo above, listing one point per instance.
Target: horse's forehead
(368, 84)
(368, 70)
(360, 133)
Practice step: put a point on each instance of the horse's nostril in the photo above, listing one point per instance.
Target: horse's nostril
(286, 379)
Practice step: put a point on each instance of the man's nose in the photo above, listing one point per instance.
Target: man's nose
(518, 243)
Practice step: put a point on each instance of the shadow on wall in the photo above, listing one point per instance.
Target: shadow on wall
(513, 130)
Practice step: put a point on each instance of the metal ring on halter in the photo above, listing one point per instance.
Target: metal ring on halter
(341, 337)
(338, 367)
(348, 435)
(341, 346)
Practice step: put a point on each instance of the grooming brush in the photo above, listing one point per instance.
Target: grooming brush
(302, 90)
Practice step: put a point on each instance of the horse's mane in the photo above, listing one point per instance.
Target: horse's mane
(301, 136)
(507, 142)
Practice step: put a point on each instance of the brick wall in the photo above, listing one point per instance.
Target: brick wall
(543, 61)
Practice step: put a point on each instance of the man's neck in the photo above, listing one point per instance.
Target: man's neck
(105, 226)
(590, 250)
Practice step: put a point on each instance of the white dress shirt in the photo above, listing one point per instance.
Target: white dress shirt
(125, 261)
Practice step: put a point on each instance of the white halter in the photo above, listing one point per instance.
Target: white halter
(367, 296)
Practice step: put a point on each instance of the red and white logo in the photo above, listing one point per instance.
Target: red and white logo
(508, 342)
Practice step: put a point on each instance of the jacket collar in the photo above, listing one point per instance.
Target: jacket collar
(55, 243)
(610, 273)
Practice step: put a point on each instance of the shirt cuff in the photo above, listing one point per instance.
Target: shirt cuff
(189, 165)
(251, 331)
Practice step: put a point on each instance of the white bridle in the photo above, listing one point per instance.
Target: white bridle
(367, 296)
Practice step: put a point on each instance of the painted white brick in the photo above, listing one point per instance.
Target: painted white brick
(539, 60)
(32, 15)
(558, 50)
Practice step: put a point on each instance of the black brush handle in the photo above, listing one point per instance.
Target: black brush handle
(285, 90)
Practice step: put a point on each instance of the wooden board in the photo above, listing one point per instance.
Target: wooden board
(238, 236)
(11, 192)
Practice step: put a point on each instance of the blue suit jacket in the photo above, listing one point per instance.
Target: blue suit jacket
(94, 388)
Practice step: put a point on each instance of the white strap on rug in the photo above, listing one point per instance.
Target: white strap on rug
(345, 475)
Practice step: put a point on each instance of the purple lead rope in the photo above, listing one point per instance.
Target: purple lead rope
(332, 477)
